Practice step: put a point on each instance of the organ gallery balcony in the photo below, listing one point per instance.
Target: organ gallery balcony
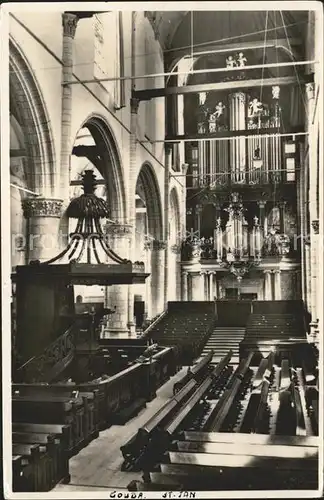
(242, 162)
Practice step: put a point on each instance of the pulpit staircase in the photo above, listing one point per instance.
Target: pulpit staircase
(222, 340)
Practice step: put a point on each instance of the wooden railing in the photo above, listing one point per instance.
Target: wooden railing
(55, 358)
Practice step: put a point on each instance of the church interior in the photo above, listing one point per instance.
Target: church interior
(166, 264)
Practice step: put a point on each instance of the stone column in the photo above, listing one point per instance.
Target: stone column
(157, 274)
(312, 196)
(116, 295)
(184, 286)
(167, 170)
(299, 292)
(134, 104)
(308, 274)
(211, 286)
(197, 286)
(277, 285)
(69, 23)
(148, 286)
(267, 285)
(315, 270)
(215, 286)
(43, 219)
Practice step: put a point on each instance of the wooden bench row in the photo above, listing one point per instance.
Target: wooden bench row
(153, 438)
(40, 456)
(229, 461)
(77, 412)
(197, 372)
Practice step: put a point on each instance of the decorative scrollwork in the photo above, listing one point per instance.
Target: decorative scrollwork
(41, 207)
(38, 368)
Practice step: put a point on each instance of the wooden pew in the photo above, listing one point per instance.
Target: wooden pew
(286, 419)
(51, 410)
(252, 449)
(196, 372)
(220, 411)
(90, 402)
(260, 421)
(41, 463)
(285, 375)
(153, 438)
(54, 446)
(244, 461)
(258, 439)
(260, 373)
(139, 448)
(208, 477)
(312, 397)
(62, 432)
(23, 474)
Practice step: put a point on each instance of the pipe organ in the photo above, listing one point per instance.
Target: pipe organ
(237, 241)
(248, 160)
(237, 119)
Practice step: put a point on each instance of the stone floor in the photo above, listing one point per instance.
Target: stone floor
(97, 466)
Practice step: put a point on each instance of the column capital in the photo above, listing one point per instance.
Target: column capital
(159, 245)
(315, 226)
(310, 90)
(119, 230)
(69, 23)
(134, 104)
(42, 207)
(262, 203)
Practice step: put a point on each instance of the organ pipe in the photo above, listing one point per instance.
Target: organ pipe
(237, 105)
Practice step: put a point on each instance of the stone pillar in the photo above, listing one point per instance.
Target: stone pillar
(315, 270)
(134, 104)
(148, 283)
(167, 170)
(157, 274)
(267, 285)
(277, 285)
(43, 219)
(215, 286)
(184, 286)
(301, 209)
(116, 295)
(69, 23)
(312, 196)
(211, 286)
(308, 274)
(298, 280)
(197, 286)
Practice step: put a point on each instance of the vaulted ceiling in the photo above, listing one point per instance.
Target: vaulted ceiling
(180, 31)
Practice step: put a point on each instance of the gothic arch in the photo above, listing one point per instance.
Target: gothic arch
(112, 170)
(153, 200)
(28, 107)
